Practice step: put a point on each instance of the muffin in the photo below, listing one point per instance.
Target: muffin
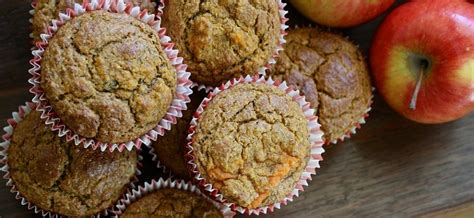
(220, 40)
(331, 73)
(107, 77)
(47, 10)
(169, 149)
(252, 144)
(172, 203)
(62, 178)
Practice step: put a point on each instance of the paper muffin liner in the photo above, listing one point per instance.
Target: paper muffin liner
(32, 12)
(17, 117)
(281, 41)
(357, 125)
(315, 138)
(201, 87)
(153, 152)
(154, 185)
(159, 165)
(183, 89)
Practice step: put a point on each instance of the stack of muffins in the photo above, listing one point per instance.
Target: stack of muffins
(108, 80)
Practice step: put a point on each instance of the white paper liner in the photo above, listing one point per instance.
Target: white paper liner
(154, 185)
(183, 89)
(201, 87)
(152, 151)
(356, 126)
(315, 138)
(17, 117)
(282, 41)
(159, 165)
(32, 12)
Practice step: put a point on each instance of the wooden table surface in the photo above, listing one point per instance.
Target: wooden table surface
(391, 168)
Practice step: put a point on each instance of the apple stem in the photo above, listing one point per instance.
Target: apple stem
(416, 92)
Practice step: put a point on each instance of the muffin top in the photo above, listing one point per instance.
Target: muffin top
(47, 10)
(63, 178)
(107, 76)
(170, 148)
(252, 143)
(332, 74)
(172, 203)
(219, 40)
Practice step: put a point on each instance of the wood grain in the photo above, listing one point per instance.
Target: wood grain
(465, 210)
(391, 168)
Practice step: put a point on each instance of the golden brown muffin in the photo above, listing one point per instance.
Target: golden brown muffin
(107, 76)
(252, 143)
(63, 178)
(332, 74)
(170, 148)
(47, 10)
(221, 40)
(172, 203)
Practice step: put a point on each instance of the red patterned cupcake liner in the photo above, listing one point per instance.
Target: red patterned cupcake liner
(159, 165)
(183, 89)
(154, 185)
(316, 142)
(17, 117)
(282, 41)
(201, 87)
(32, 12)
(152, 151)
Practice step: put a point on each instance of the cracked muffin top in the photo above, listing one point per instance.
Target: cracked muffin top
(252, 144)
(219, 40)
(172, 203)
(107, 76)
(170, 147)
(332, 74)
(63, 178)
(47, 10)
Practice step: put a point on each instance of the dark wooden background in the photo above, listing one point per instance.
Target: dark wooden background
(391, 168)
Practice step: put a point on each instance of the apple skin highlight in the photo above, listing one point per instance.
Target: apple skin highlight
(341, 13)
(442, 32)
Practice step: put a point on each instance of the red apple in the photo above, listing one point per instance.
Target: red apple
(422, 60)
(341, 13)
